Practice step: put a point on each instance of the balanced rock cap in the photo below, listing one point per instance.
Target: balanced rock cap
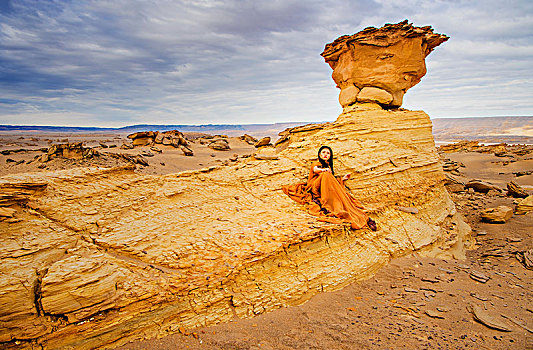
(389, 60)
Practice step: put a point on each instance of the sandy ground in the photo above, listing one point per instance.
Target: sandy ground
(414, 302)
(27, 147)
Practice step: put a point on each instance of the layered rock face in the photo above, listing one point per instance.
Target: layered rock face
(380, 65)
(98, 257)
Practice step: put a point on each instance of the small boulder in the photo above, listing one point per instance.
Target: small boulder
(263, 142)
(187, 151)
(142, 138)
(248, 139)
(142, 141)
(348, 95)
(524, 206)
(455, 188)
(159, 136)
(374, 94)
(219, 145)
(482, 186)
(498, 215)
(514, 190)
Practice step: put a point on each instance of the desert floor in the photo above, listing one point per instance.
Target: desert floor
(27, 146)
(414, 302)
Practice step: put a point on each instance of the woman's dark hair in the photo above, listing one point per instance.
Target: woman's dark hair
(329, 163)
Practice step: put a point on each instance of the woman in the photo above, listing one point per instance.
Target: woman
(326, 195)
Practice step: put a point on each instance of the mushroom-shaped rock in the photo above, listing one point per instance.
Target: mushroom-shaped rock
(390, 58)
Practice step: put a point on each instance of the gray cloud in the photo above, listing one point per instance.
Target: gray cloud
(122, 62)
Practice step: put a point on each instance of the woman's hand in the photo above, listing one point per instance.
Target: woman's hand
(346, 177)
(317, 169)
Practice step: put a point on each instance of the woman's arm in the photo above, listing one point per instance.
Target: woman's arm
(319, 170)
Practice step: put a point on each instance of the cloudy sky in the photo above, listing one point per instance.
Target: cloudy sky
(123, 62)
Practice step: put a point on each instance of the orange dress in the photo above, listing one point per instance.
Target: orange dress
(327, 199)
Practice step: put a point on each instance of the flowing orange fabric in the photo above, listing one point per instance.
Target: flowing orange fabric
(327, 199)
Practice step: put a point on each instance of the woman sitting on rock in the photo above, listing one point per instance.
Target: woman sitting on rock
(326, 195)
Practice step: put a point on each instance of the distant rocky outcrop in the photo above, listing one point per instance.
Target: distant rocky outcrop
(68, 150)
(219, 144)
(99, 257)
(380, 64)
(248, 139)
(169, 138)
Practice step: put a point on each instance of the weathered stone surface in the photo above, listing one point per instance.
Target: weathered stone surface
(514, 190)
(498, 215)
(248, 139)
(482, 186)
(373, 94)
(170, 137)
(19, 192)
(500, 150)
(526, 258)
(142, 141)
(263, 142)
(491, 321)
(68, 150)
(391, 58)
(121, 255)
(7, 212)
(348, 95)
(187, 151)
(219, 145)
(159, 137)
(524, 206)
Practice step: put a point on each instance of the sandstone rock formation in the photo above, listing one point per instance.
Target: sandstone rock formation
(501, 149)
(68, 150)
(380, 65)
(524, 206)
(515, 190)
(98, 257)
(248, 139)
(265, 141)
(482, 186)
(171, 137)
(219, 145)
(498, 215)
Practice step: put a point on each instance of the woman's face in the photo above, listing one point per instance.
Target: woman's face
(325, 154)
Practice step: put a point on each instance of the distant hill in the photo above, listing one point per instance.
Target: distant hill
(227, 129)
(488, 129)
